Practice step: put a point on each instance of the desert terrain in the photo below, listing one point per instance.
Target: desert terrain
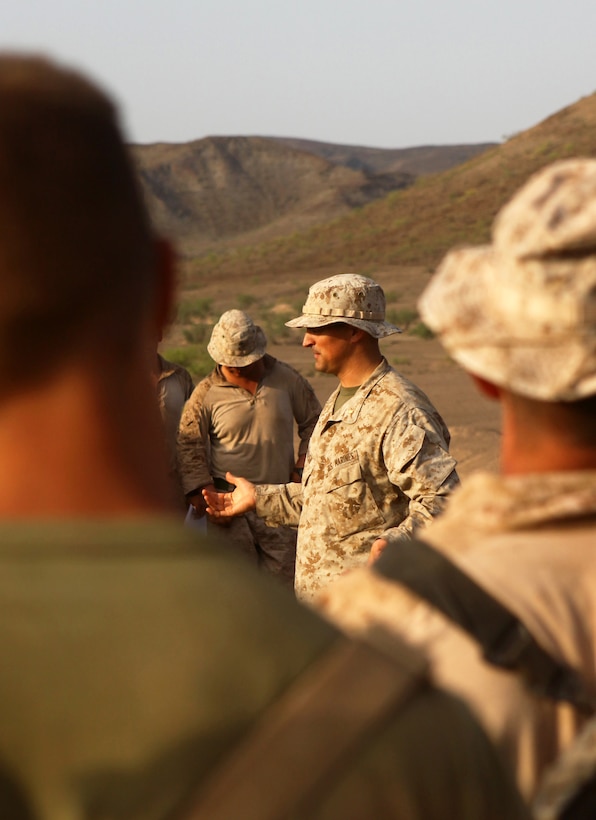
(472, 419)
(257, 220)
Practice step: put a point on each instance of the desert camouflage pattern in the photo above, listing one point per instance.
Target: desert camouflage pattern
(379, 466)
(506, 532)
(521, 312)
(236, 341)
(487, 505)
(349, 298)
(271, 549)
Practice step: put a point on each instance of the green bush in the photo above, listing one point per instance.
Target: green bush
(193, 309)
(392, 296)
(403, 318)
(193, 357)
(275, 327)
(422, 331)
(245, 300)
(197, 334)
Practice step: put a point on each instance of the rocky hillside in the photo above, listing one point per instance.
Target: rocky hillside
(221, 189)
(228, 191)
(416, 226)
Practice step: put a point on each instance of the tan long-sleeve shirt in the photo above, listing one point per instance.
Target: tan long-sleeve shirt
(224, 427)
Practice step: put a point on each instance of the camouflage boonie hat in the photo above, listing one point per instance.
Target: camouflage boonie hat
(522, 312)
(349, 298)
(236, 341)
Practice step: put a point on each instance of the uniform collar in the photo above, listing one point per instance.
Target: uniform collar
(350, 411)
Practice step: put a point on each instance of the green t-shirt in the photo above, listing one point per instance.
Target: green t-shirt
(136, 655)
(133, 655)
(344, 395)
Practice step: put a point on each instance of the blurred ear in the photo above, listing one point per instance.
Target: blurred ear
(488, 389)
(165, 262)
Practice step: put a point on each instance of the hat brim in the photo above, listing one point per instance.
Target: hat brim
(378, 330)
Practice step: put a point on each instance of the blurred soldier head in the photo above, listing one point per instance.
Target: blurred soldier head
(85, 290)
(520, 314)
(78, 263)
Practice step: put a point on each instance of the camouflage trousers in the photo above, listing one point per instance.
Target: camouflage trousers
(272, 549)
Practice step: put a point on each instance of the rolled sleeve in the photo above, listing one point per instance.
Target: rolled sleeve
(193, 441)
(279, 504)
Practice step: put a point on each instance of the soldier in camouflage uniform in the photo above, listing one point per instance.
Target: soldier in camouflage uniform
(378, 463)
(240, 419)
(520, 316)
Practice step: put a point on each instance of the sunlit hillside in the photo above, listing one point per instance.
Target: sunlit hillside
(417, 225)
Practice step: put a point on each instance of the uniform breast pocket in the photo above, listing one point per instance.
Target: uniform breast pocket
(351, 505)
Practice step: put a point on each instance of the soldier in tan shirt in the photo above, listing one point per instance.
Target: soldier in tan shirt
(241, 419)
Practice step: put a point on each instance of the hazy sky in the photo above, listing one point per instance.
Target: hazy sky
(388, 73)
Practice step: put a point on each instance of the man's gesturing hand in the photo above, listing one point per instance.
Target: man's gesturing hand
(226, 505)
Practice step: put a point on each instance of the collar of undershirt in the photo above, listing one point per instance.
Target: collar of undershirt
(344, 394)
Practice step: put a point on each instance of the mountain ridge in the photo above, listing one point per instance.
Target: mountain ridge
(417, 225)
(218, 192)
(418, 160)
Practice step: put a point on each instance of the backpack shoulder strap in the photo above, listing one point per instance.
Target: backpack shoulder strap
(302, 739)
(504, 639)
